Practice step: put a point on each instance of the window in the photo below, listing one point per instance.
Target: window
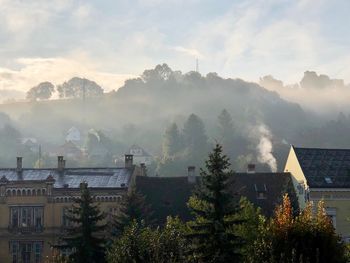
(332, 214)
(65, 220)
(38, 248)
(38, 217)
(14, 217)
(26, 251)
(260, 191)
(261, 195)
(27, 217)
(112, 211)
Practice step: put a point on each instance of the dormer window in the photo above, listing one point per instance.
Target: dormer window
(260, 191)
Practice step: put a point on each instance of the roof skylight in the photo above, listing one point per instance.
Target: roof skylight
(328, 180)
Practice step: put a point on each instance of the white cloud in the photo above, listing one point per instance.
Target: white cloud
(56, 70)
(189, 51)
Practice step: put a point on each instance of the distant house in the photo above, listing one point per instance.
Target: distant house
(323, 174)
(169, 195)
(31, 144)
(73, 135)
(140, 155)
(70, 150)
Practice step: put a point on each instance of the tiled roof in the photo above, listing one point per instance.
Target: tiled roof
(72, 177)
(169, 195)
(264, 190)
(325, 168)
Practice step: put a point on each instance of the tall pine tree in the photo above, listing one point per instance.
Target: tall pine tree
(226, 132)
(172, 141)
(196, 141)
(84, 235)
(215, 208)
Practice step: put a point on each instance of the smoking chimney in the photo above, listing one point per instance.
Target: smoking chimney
(60, 163)
(129, 160)
(143, 169)
(19, 165)
(251, 168)
(191, 174)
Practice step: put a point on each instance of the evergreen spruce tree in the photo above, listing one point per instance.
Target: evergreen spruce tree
(83, 236)
(132, 208)
(215, 208)
(195, 139)
(226, 129)
(171, 141)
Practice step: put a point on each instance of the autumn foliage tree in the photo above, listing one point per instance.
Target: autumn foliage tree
(308, 237)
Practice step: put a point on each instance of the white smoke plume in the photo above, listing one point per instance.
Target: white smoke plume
(265, 147)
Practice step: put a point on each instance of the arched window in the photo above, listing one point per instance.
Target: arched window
(13, 192)
(18, 192)
(23, 191)
(44, 191)
(38, 192)
(29, 192)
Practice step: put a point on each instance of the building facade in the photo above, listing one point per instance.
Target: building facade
(33, 204)
(323, 174)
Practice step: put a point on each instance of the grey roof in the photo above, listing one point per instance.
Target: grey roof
(169, 195)
(95, 177)
(143, 152)
(325, 168)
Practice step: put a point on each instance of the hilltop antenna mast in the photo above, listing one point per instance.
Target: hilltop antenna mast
(39, 163)
(84, 103)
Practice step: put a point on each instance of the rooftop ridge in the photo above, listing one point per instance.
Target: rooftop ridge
(323, 149)
(67, 168)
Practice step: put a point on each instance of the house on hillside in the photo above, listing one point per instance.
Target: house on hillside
(31, 144)
(33, 204)
(169, 195)
(73, 135)
(70, 150)
(140, 155)
(323, 174)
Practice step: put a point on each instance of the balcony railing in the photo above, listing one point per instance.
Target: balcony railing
(26, 230)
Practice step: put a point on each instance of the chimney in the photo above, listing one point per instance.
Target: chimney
(251, 168)
(19, 164)
(143, 169)
(60, 163)
(129, 160)
(191, 174)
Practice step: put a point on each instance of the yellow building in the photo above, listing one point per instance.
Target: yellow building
(323, 174)
(33, 201)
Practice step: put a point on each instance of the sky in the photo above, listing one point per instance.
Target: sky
(110, 41)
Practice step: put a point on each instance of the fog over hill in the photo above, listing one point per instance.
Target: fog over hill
(256, 124)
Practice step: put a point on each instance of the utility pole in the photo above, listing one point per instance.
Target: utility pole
(197, 65)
